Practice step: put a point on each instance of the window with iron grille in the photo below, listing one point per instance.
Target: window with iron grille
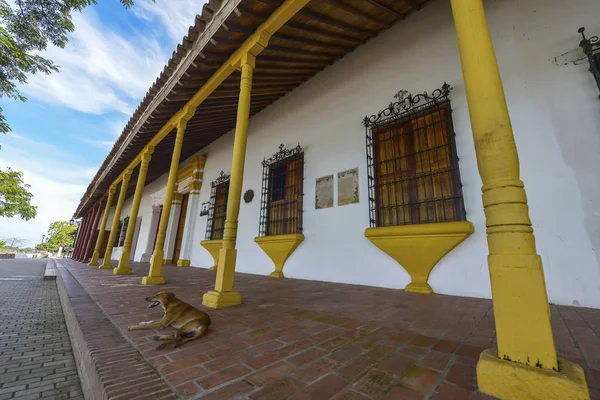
(412, 163)
(215, 225)
(281, 197)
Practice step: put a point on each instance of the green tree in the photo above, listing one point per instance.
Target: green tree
(15, 198)
(26, 28)
(3, 245)
(60, 234)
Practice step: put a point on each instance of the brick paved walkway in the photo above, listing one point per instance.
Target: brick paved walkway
(313, 340)
(36, 360)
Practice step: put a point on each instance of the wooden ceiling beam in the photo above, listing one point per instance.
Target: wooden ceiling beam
(304, 54)
(313, 43)
(294, 61)
(414, 4)
(358, 13)
(322, 32)
(334, 23)
(387, 9)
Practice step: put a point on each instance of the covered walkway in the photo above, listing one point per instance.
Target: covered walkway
(306, 339)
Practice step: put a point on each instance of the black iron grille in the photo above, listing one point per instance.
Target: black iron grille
(217, 212)
(281, 197)
(591, 48)
(412, 164)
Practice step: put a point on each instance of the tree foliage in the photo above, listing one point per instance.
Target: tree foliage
(3, 244)
(60, 234)
(26, 28)
(15, 198)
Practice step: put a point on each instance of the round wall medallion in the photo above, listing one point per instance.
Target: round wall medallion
(249, 195)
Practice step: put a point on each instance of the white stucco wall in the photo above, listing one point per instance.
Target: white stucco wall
(556, 121)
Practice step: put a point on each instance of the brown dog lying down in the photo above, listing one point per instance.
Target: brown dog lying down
(190, 322)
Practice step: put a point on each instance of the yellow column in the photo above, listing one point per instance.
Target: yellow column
(102, 228)
(519, 296)
(156, 262)
(224, 295)
(123, 268)
(115, 223)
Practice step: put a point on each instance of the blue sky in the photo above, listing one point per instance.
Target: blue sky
(61, 135)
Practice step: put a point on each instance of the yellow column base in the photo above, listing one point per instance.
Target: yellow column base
(215, 299)
(167, 261)
(184, 263)
(153, 280)
(422, 288)
(122, 271)
(418, 248)
(508, 380)
(213, 247)
(105, 266)
(279, 248)
(93, 264)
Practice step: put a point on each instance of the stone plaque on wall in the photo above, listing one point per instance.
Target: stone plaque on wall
(324, 192)
(348, 187)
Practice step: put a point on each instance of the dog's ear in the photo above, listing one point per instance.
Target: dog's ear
(170, 296)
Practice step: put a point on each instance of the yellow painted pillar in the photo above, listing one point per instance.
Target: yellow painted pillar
(102, 228)
(223, 295)
(526, 350)
(156, 262)
(123, 268)
(115, 223)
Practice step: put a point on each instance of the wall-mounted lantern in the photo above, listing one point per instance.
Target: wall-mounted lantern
(591, 48)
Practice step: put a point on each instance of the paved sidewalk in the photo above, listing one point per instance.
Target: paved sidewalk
(36, 360)
(314, 340)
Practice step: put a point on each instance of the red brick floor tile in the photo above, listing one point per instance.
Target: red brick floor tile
(232, 391)
(351, 395)
(446, 346)
(223, 376)
(345, 354)
(420, 379)
(435, 360)
(263, 348)
(397, 364)
(270, 374)
(375, 383)
(470, 351)
(188, 389)
(332, 317)
(279, 389)
(423, 341)
(306, 357)
(225, 361)
(267, 359)
(463, 375)
(380, 352)
(315, 370)
(188, 374)
(402, 337)
(412, 351)
(402, 393)
(355, 368)
(182, 364)
(446, 391)
(323, 389)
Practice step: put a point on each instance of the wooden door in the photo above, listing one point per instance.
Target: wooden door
(136, 236)
(180, 228)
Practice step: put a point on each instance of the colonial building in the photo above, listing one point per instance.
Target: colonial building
(351, 141)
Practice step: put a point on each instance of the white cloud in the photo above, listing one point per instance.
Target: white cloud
(100, 71)
(57, 181)
(175, 15)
